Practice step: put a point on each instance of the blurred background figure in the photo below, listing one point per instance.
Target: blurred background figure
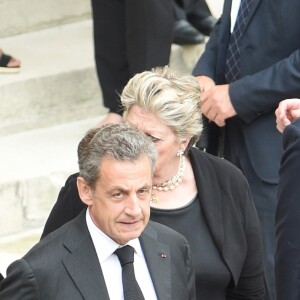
(193, 21)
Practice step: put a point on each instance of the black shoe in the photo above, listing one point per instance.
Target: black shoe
(186, 34)
(205, 26)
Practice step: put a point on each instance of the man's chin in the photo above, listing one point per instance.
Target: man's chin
(126, 236)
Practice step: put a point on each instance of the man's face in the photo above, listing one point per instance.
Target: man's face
(120, 204)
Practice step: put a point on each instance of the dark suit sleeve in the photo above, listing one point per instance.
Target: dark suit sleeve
(270, 70)
(261, 92)
(67, 207)
(287, 258)
(20, 283)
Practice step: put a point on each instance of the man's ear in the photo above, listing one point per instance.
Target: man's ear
(85, 192)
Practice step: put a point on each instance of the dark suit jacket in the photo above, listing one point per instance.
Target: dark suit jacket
(288, 217)
(65, 265)
(229, 212)
(270, 72)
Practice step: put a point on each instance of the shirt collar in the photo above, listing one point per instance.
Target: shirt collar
(104, 245)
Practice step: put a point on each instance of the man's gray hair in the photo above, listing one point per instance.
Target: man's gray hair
(118, 141)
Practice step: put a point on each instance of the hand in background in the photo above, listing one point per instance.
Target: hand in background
(216, 104)
(287, 112)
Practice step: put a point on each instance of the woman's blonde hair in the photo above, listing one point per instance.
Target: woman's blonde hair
(173, 97)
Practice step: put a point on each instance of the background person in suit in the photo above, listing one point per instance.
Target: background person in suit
(201, 196)
(242, 107)
(77, 261)
(287, 258)
(129, 37)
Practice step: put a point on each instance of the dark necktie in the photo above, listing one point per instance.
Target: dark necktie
(131, 288)
(232, 68)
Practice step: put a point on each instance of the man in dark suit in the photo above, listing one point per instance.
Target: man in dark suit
(81, 259)
(287, 258)
(129, 37)
(240, 107)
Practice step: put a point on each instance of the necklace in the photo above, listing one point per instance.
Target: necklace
(172, 183)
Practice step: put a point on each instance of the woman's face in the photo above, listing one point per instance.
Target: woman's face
(163, 138)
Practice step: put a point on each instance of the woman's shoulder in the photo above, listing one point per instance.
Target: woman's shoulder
(212, 163)
(219, 177)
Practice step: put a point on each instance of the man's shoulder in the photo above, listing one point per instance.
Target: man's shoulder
(54, 244)
(163, 233)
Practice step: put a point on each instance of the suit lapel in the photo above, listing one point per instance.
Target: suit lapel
(227, 10)
(82, 264)
(251, 13)
(158, 260)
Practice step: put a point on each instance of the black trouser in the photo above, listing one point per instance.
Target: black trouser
(184, 9)
(130, 36)
(264, 197)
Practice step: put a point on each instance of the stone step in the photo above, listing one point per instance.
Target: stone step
(21, 16)
(34, 166)
(57, 82)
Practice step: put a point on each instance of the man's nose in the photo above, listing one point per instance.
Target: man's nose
(133, 205)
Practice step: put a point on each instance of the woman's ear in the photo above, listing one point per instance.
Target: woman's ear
(85, 192)
(184, 143)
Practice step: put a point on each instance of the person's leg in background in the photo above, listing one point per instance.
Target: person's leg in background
(264, 196)
(193, 20)
(110, 51)
(130, 36)
(184, 32)
(200, 16)
(149, 33)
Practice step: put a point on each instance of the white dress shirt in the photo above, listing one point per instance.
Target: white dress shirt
(234, 12)
(110, 265)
